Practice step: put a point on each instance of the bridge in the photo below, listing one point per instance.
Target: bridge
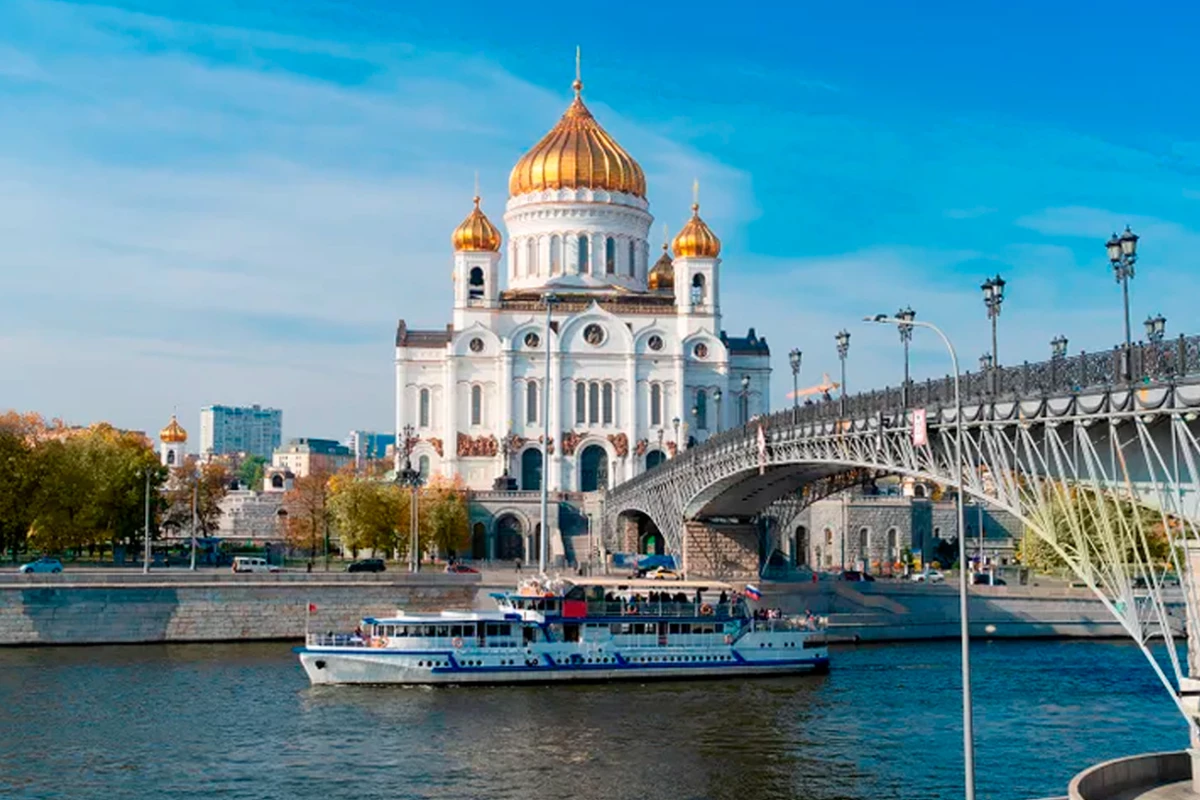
(1096, 454)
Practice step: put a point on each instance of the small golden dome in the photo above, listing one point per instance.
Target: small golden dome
(577, 154)
(476, 232)
(696, 240)
(173, 433)
(662, 274)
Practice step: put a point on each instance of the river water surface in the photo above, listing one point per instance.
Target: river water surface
(241, 721)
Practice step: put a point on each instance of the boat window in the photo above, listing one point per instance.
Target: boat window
(570, 633)
(639, 627)
(402, 630)
(443, 630)
(719, 627)
(429, 631)
(492, 629)
(576, 593)
(456, 630)
(674, 627)
(468, 630)
(685, 627)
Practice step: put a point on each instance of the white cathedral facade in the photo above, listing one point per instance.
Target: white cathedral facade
(639, 366)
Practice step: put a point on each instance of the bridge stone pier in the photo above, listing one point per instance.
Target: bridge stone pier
(724, 550)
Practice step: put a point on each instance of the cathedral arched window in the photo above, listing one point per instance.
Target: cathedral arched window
(608, 404)
(531, 402)
(555, 255)
(610, 256)
(475, 283)
(593, 403)
(423, 402)
(423, 467)
(476, 405)
(531, 265)
(581, 404)
(655, 404)
(697, 289)
(632, 258)
(584, 263)
(702, 410)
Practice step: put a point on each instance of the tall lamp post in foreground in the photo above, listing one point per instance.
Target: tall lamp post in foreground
(146, 530)
(843, 349)
(1122, 254)
(543, 544)
(964, 627)
(717, 399)
(407, 476)
(905, 327)
(794, 361)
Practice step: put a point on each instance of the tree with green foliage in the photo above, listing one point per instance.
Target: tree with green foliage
(367, 514)
(251, 471)
(19, 481)
(444, 506)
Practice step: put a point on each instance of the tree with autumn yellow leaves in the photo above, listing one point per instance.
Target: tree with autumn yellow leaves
(206, 485)
(307, 511)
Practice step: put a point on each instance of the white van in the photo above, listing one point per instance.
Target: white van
(252, 564)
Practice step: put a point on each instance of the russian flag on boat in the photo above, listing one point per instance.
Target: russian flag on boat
(752, 592)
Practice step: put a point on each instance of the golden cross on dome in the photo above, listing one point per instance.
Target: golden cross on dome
(476, 187)
(695, 194)
(578, 84)
(666, 235)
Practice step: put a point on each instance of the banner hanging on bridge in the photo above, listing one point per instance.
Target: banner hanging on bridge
(920, 433)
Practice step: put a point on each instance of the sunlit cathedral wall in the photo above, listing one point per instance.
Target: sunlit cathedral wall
(636, 343)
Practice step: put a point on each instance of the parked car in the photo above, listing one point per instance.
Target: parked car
(855, 575)
(253, 564)
(43, 564)
(663, 574)
(461, 569)
(367, 565)
(929, 576)
(987, 579)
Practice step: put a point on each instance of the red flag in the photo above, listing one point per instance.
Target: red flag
(312, 607)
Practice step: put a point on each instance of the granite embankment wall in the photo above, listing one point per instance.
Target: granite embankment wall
(82, 609)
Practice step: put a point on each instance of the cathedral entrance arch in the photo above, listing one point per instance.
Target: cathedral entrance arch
(800, 546)
(531, 470)
(510, 538)
(652, 544)
(593, 469)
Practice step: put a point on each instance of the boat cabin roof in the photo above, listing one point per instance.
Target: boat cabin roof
(650, 584)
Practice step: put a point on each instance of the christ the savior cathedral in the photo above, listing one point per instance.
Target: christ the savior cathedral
(639, 364)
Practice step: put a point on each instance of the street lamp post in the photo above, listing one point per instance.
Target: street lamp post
(744, 401)
(407, 476)
(843, 349)
(146, 530)
(1058, 351)
(675, 425)
(794, 361)
(717, 399)
(1156, 328)
(1122, 254)
(696, 417)
(993, 297)
(964, 624)
(985, 362)
(544, 502)
(906, 332)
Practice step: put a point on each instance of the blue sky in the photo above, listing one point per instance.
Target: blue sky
(234, 202)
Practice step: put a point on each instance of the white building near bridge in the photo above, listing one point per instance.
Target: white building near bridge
(639, 364)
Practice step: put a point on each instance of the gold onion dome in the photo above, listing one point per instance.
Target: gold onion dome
(662, 274)
(476, 232)
(173, 433)
(577, 154)
(696, 240)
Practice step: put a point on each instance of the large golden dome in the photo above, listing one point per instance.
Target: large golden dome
(577, 154)
(173, 433)
(662, 274)
(696, 240)
(476, 232)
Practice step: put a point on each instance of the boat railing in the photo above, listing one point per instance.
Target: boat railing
(335, 640)
(661, 608)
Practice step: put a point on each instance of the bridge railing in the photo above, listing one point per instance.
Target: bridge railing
(1145, 363)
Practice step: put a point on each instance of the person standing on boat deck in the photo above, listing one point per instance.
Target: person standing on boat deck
(517, 565)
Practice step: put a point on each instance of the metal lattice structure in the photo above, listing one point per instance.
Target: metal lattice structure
(1104, 470)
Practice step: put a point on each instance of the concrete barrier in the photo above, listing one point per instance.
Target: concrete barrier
(1131, 776)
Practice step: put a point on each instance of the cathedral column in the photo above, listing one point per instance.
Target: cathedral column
(553, 476)
(680, 396)
(450, 408)
(504, 425)
(401, 408)
(631, 420)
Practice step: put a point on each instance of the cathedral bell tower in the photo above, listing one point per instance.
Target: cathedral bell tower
(696, 268)
(476, 264)
(174, 439)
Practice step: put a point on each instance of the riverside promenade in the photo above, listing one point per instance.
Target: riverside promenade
(123, 606)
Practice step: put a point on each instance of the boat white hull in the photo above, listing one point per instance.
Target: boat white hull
(378, 667)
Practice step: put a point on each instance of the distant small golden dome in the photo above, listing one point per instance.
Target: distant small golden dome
(476, 232)
(173, 433)
(662, 274)
(577, 154)
(696, 240)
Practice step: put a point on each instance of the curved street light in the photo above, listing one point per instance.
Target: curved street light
(964, 625)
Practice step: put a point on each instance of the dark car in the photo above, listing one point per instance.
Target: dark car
(987, 579)
(855, 575)
(461, 569)
(367, 565)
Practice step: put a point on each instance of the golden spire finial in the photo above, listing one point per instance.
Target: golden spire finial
(666, 236)
(695, 196)
(578, 84)
(476, 187)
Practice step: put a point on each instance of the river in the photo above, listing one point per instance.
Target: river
(241, 721)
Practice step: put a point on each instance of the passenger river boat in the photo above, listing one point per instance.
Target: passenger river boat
(587, 629)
